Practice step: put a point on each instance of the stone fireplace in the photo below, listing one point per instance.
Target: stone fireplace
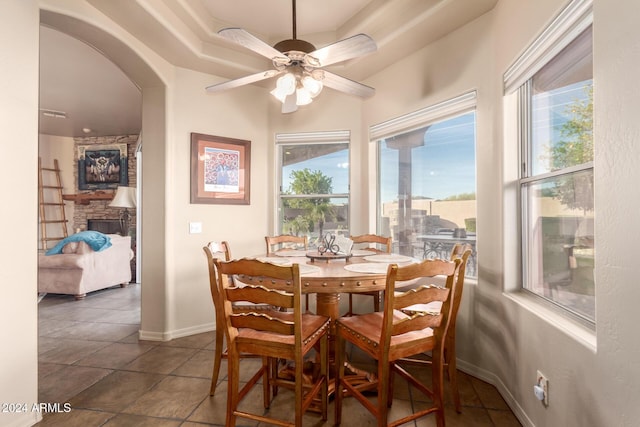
(106, 226)
(99, 210)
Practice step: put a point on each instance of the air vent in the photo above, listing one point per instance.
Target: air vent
(54, 113)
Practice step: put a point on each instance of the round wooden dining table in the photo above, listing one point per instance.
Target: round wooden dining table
(328, 277)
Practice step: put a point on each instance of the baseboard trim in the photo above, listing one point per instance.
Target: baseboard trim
(152, 336)
(494, 380)
(178, 333)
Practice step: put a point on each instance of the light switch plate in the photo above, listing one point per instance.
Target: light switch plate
(195, 227)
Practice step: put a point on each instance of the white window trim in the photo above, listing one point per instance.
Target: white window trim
(572, 20)
(564, 28)
(452, 107)
(313, 137)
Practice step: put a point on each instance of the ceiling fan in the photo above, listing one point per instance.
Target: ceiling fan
(300, 66)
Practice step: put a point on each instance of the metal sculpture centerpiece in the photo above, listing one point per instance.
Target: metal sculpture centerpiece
(328, 244)
(329, 249)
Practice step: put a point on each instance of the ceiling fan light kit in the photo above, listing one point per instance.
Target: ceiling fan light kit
(299, 63)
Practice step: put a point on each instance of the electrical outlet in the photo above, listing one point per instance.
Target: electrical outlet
(541, 389)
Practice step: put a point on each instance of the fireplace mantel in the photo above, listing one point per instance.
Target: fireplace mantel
(85, 198)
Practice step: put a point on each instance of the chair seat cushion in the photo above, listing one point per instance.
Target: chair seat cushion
(312, 324)
(368, 327)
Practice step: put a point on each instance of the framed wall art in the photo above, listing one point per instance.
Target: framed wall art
(102, 166)
(220, 170)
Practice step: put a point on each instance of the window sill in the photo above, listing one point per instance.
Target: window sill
(572, 328)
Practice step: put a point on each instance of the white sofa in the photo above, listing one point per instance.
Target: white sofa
(79, 269)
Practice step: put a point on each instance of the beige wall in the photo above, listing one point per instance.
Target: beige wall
(500, 338)
(505, 338)
(617, 129)
(19, 123)
(241, 115)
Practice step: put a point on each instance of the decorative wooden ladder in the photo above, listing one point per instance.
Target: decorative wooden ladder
(51, 205)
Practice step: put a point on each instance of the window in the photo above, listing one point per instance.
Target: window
(314, 184)
(427, 182)
(556, 182)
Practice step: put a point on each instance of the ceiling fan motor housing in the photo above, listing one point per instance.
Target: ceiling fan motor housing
(294, 44)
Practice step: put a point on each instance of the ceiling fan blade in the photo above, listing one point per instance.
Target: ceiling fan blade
(289, 105)
(352, 47)
(263, 75)
(243, 38)
(345, 85)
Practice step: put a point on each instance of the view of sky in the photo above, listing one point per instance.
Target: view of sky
(443, 166)
(550, 111)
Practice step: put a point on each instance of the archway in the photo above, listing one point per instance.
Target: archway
(151, 186)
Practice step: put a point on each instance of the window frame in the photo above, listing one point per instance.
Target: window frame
(436, 113)
(309, 138)
(576, 17)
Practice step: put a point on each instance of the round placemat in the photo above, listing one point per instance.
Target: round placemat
(367, 267)
(362, 252)
(308, 269)
(285, 262)
(290, 252)
(388, 258)
(275, 260)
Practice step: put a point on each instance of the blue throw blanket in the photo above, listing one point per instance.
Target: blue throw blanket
(96, 240)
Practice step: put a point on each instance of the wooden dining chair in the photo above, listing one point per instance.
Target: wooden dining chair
(213, 249)
(462, 252)
(380, 244)
(272, 335)
(222, 250)
(287, 242)
(391, 335)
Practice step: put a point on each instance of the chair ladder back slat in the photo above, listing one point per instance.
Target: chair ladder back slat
(424, 294)
(260, 295)
(426, 268)
(285, 242)
(386, 242)
(262, 322)
(416, 322)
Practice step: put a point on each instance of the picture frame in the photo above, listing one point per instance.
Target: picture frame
(102, 166)
(220, 170)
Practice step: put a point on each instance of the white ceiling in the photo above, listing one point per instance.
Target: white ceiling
(94, 93)
(90, 90)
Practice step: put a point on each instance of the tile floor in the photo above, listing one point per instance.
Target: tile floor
(90, 357)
